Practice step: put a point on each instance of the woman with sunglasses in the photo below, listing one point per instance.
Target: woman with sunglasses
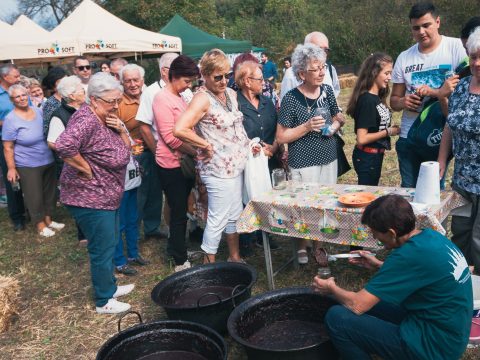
(96, 150)
(30, 162)
(312, 148)
(222, 146)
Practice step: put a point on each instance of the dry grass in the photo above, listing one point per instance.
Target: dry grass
(56, 317)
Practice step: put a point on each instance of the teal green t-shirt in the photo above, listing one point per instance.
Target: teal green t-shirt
(429, 278)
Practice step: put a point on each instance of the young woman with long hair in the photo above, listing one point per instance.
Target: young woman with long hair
(372, 117)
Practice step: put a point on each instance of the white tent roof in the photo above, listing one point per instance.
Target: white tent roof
(26, 26)
(99, 32)
(89, 30)
(27, 42)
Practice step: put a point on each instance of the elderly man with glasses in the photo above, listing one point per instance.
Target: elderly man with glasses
(9, 75)
(331, 78)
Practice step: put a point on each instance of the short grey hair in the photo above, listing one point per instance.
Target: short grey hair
(119, 61)
(6, 68)
(102, 82)
(15, 87)
(473, 42)
(132, 67)
(166, 60)
(305, 53)
(68, 86)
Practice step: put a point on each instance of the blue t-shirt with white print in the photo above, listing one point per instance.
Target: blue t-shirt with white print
(429, 278)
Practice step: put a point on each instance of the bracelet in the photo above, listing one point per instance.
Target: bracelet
(388, 131)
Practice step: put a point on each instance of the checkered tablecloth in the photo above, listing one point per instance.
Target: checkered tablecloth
(312, 211)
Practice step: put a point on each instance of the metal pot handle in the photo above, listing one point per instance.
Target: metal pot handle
(209, 294)
(236, 290)
(128, 313)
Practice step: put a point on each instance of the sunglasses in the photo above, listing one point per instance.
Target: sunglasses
(83, 67)
(221, 77)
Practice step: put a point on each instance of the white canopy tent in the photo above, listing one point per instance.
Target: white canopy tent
(89, 30)
(101, 33)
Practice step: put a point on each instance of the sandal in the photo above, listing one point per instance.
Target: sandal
(302, 257)
(46, 232)
(241, 261)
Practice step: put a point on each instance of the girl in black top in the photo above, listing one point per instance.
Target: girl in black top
(372, 117)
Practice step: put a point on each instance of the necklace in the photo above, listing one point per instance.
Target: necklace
(310, 107)
(226, 104)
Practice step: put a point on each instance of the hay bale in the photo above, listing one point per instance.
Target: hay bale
(347, 80)
(9, 290)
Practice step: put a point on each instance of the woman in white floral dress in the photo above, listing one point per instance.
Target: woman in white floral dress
(222, 146)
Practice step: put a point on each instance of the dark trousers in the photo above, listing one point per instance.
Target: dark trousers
(16, 208)
(466, 230)
(149, 196)
(375, 332)
(101, 228)
(367, 166)
(177, 189)
(39, 185)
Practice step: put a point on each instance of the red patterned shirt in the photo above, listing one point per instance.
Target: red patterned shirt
(105, 152)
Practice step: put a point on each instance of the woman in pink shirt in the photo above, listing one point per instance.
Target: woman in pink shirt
(168, 105)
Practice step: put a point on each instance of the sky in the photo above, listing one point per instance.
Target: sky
(7, 7)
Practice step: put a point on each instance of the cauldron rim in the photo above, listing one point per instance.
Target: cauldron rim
(208, 332)
(203, 268)
(240, 309)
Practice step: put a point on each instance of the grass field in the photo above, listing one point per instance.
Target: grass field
(57, 318)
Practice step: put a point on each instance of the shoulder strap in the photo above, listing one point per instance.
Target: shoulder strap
(329, 65)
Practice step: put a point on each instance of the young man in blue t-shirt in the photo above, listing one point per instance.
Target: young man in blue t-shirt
(417, 306)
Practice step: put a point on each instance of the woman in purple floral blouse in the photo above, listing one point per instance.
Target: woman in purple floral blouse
(96, 150)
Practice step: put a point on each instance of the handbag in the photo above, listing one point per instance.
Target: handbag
(187, 165)
(343, 165)
(256, 175)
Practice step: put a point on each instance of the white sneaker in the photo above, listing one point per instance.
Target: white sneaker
(46, 232)
(113, 307)
(56, 226)
(184, 266)
(123, 290)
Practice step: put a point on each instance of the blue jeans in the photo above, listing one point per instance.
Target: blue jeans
(149, 196)
(129, 225)
(409, 163)
(367, 166)
(376, 332)
(101, 230)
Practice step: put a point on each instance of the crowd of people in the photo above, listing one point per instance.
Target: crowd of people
(113, 147)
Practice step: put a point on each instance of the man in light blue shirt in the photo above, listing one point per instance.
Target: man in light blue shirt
(9, 75)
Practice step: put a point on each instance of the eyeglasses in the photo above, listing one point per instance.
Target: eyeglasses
(258, 79)
(112, 101)
(83, 67)
(318, 69)
(221, 77)
(326, 49)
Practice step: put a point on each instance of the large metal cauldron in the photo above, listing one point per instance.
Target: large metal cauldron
(205, 294)
(285, 324)
(164, 340)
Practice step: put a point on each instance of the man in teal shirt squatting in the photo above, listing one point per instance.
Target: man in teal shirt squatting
(417, 306)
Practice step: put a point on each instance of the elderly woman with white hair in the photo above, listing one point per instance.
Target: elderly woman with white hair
(462, 136)
(30, 161)
(312, 150)
(72, 92)
(96, 151)
(73, 96)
